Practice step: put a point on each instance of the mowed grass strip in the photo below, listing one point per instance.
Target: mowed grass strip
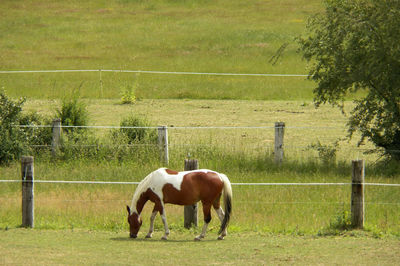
(96, 247)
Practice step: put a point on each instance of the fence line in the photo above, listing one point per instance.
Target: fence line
(152, 72)
(179, 127)
(233, 184)
(163, 136)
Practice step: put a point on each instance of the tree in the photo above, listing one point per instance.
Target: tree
(355, 46)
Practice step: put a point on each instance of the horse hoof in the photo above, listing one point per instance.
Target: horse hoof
(220, 238)
(164, 238)
(148, 236)
(197, 238)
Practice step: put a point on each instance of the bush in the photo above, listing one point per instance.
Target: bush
(79, 145)
(36, 135)
(12, 143)
(139, 133)
(327, 153)
(73, 112)
(128, 92)
(128, 95)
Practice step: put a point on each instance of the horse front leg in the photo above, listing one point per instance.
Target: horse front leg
(164, 220)
(152, 217)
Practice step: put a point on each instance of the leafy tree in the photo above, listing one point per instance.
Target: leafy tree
(355, 46)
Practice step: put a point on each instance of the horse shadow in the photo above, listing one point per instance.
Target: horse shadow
(128, 239)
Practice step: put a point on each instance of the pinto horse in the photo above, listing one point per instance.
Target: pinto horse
(181, 188)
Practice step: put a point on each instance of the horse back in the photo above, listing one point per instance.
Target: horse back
(205, 186)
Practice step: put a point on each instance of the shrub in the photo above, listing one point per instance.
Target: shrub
(73, 112)
(128, 92)
(139, 133)
(327, 153)
(128, 95)
(12, 143)
(79, 145)
(36, 135)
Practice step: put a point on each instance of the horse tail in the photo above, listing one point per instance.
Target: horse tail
(227, 202)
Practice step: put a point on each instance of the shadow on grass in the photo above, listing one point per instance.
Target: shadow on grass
(159, 240)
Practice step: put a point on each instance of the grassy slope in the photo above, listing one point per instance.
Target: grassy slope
(200, 36)
(71, 247)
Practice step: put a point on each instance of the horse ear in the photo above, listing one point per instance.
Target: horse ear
(128, 209)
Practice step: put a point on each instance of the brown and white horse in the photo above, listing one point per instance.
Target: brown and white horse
(182, 188)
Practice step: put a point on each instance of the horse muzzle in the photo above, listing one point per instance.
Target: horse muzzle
(133, 235)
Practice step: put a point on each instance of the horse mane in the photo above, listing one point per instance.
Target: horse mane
(141, 188)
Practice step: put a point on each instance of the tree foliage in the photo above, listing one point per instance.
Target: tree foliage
(353, 46)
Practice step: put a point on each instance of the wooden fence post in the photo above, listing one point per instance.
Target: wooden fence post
(357, 194)
(190, 211)
(55, 142)
(278, 150)
(27, 191)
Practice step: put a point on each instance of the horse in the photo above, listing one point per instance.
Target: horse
(182, 188)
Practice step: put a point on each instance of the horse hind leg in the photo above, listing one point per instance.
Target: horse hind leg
(207, 219)
(221, 215)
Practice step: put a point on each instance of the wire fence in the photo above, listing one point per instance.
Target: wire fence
(233, 184)
(151, 72)
(109, 83)
(308, 142)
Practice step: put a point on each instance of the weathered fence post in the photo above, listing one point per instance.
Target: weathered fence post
(27, 191)
(163, 144)
(55, 142)
(357, 194)
(190, 211)
(278, 150)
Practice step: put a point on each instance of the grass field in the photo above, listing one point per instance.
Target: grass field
(270, 225)
(286, 210)
(192, 36)
(305, 124)
(96, 247)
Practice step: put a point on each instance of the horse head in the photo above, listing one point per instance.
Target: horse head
(135, 222)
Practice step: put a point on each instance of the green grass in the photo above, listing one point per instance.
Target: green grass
(97, 247)
(295, 210)
(198, 36)
(194, 36)
(245, 155)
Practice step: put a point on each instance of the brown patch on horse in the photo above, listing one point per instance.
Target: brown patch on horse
(171, 172)
(146, 196)
(195, 186)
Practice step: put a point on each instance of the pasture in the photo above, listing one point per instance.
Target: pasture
(77, 223)
(190, 36)
(243, 155)
(250, 248)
